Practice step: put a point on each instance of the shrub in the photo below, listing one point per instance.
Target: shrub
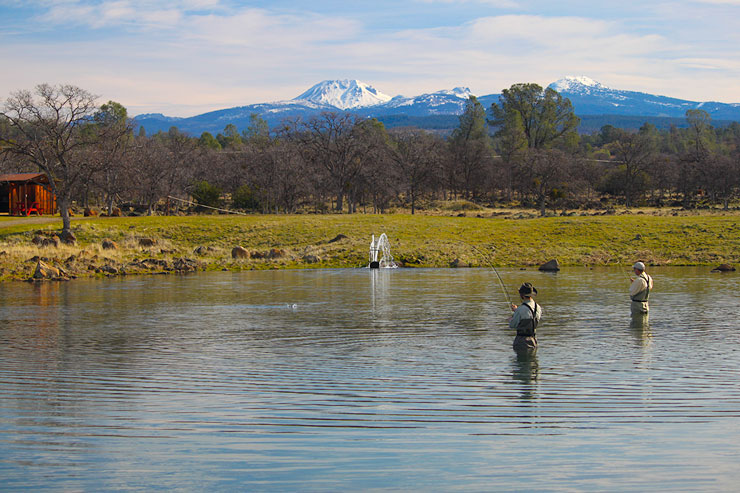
(244, 198)
(207, 194)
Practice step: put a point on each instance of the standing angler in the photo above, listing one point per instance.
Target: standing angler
(525, 318)
(640, 289)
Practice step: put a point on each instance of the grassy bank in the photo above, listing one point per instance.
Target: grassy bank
(303, 241)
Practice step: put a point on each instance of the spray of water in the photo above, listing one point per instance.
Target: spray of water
(381, 247)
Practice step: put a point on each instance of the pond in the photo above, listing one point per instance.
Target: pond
(327, 380)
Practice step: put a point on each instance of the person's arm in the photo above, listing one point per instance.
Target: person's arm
(514, 320)
(637, 285)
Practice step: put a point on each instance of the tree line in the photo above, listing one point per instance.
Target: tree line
(524, 150)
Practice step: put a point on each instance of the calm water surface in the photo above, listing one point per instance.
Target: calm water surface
(358, 379)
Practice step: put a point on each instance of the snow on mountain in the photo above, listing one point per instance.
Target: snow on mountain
(344, 94)
(458, 92)
(580, 84)
(588, 96)
(444, 102)
(159, 116)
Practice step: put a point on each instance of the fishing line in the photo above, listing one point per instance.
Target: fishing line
(619, 262)
(490, 264)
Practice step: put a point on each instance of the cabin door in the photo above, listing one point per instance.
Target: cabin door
(4, 198)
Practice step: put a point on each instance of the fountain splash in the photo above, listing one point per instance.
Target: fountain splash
(381, 246)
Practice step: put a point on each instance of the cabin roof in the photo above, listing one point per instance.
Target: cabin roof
(23, 177)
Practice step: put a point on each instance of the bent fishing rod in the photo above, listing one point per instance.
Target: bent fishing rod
(486, 258)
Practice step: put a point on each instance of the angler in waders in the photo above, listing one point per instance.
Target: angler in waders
(525, 318)
(640, 289)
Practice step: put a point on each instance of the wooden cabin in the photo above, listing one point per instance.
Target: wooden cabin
(23, 194)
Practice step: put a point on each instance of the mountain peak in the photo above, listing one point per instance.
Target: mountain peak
(344, 94)
(576, 84)
(460, 92)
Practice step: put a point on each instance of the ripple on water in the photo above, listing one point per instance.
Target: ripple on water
(374, 380)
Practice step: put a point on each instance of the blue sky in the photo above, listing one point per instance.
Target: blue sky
(185, 57)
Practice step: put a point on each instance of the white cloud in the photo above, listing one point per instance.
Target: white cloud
(506, 4)
(721, 2)
(720, 64)
(200, 55)
(141, 14)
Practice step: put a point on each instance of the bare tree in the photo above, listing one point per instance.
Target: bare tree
(544, 173)
(470, 147)
(339, 145)
(291, 175)
(635, 152)
(664, 176)
(114, 137)
(161, 166)
(720, 178)
(48, 127)
(417, 156)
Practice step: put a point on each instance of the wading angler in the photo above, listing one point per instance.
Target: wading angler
(525, 318)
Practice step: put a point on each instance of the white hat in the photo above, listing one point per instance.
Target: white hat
(639, 266)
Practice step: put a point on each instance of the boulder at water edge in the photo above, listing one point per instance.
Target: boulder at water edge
(46, 271)
(203, 250)
(184, 264)
(459, 263)
(551, 266)
(239, 253)
(276, 253)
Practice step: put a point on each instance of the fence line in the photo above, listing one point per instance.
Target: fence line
(207, 206)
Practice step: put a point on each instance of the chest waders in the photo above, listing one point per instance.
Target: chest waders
(643, 296)
(527, 327)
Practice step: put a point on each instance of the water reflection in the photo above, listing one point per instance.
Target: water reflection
(377, 379)
(640, 326)
(526, 371)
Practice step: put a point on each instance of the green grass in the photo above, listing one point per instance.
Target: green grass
(419, 240)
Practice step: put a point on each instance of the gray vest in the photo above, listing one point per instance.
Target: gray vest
(527, 326)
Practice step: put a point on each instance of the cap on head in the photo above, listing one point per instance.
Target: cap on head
(639, 266)
(527, 289)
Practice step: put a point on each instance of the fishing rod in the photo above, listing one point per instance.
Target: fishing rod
(490, 264)
(619, 262)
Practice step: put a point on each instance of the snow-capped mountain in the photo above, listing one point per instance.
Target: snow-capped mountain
(445, 102)
(439, 109)
(158, 116)
(593, 98)
(344, 94)
(580, 84)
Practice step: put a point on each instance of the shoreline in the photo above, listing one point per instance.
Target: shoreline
(109, 247)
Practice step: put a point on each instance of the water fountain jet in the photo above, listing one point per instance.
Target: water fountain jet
(381, 246)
